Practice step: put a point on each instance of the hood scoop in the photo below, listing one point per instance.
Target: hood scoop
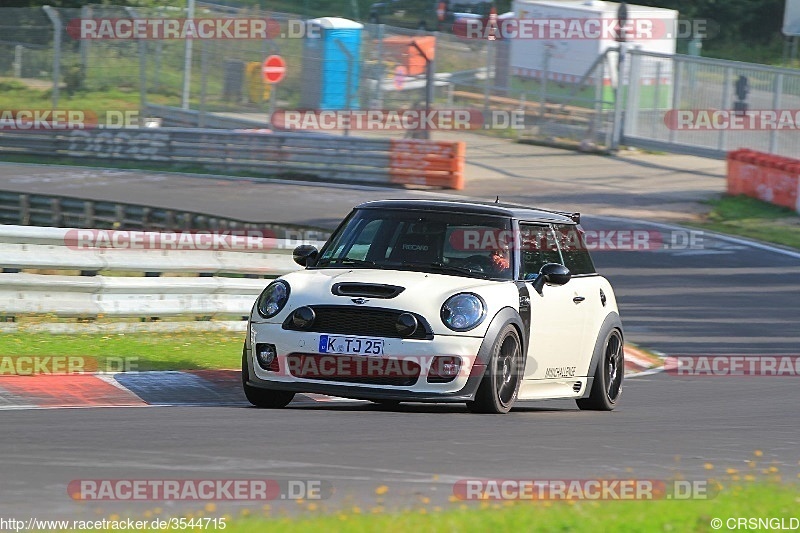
(366, 290)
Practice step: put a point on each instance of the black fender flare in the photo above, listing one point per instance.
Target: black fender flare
(612, 321)
(504, 317)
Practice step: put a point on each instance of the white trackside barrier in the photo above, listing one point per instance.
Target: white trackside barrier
(23, 247)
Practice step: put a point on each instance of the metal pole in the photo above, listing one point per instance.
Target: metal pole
(187, 61)
(56, 20)
(86, 13)
(486, 80)
(677, 95)
(201, 118)
(380, 72)
(633, 109)
(429, 86)
(617, 137)
(727, 80)
(157, 76)
(142, 65)
(776, 104)
(543, 86)
(656, 99)
(18, 61)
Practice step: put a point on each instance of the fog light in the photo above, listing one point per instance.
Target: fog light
(444, 369)
(303, 317)
(406, 324)
(267, 356)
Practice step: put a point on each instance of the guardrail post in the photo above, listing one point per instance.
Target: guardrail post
(24, 210)
(119, 214)
(88, 214)
(55, 209)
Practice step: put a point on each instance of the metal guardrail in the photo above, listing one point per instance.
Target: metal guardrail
(311, 156)
(49, 210)
(61, 249)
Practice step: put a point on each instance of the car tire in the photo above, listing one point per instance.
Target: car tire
(608, 376)
(500, 384)
(263, 398)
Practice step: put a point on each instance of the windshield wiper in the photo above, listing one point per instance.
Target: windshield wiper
(447, 268)
(348, 261)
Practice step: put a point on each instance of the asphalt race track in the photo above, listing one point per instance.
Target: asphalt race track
(720, 296)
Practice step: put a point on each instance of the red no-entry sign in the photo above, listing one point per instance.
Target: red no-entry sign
(273, 69)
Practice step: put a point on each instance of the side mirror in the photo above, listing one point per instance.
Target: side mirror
(305, 255)
(552, 274)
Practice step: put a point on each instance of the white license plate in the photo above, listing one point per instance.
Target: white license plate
(341, 344)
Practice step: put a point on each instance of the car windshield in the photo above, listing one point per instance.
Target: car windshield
(457, 244)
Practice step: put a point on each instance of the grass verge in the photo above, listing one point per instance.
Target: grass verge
(151, 351)
(765, 500)
(753, 218)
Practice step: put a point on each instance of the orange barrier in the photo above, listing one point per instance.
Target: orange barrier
(404, 53)
(432, 163)
(772, 178)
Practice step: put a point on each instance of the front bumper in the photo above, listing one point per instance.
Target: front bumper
(291, 343)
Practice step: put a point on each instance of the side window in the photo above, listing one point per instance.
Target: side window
(537, 248)
(573, 248)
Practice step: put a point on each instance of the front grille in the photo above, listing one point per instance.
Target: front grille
(362, 321)
(576, 387)
(353, 369)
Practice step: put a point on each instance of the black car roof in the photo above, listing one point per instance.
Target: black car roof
(520, 212)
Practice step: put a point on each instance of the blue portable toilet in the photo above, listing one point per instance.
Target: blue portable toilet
(331, 63)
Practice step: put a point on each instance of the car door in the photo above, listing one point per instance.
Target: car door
(586, 286)
(558, 319)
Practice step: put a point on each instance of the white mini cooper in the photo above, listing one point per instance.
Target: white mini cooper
(440, 301)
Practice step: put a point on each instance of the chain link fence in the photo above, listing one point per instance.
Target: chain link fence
(674, 103)
(386, 69)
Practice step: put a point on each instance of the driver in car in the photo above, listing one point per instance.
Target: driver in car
(501, 259)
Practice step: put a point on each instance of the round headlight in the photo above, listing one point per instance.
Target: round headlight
(273, 298)
(463, 312)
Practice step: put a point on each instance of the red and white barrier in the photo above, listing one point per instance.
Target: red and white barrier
(768, 177)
